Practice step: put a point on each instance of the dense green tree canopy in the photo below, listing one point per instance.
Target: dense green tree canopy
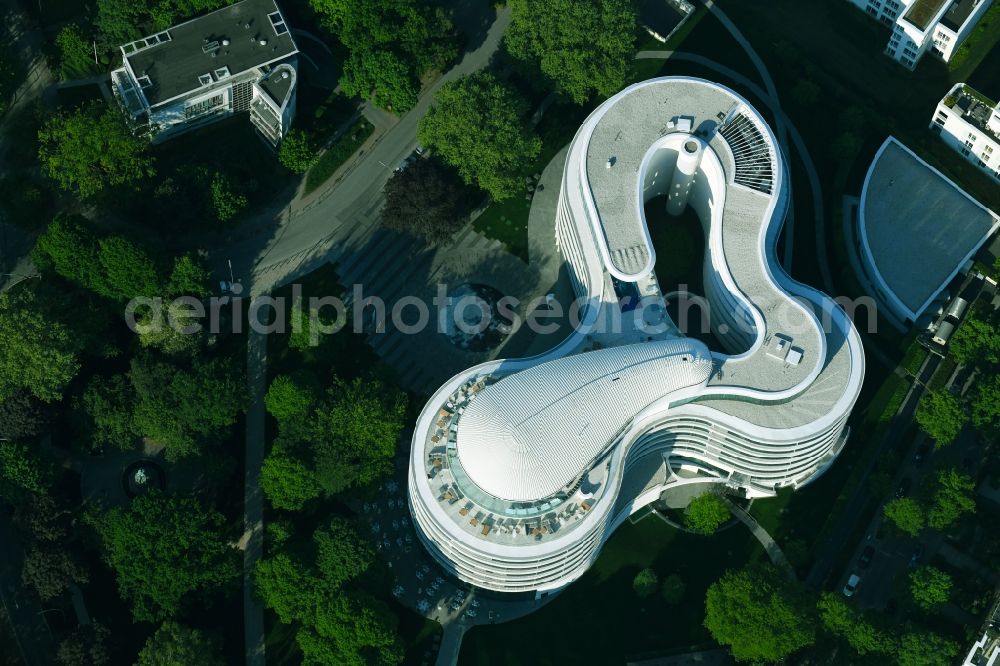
(930, 587)
(986, 403)
(22, 417)
(185, 408)
(108, 404)
(706, 513)
(51, 570)
(297, 154)
(227, 200)
(645, 582)
(174, 644)
(338, 625)
(940, 415)
(37, 353)
(76, 55)
(672, 589)
(165, 551)
(906, 514)
(954, 495)
(85, 646)
(976, 341)
(428, 200)
(391, 43)
(759, 615)
(844, 621)
(926, 649)
(189, 277)
(286, 480)
(90, 149)
(356, 432)
(121, 21)
(478, 127)
(22, 473)
(582, 46)
(287, 399)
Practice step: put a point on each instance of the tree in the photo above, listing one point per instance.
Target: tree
(90, 149)
(22, 417)
(976, 341)
(929, 587)
(391, 43)
(288, 399)
(355, 433)
(227, 201)
(109, 403)
(842, 620)
(128, 270)
(189, 277)
(287, 482)
(846, 146)
(22, 473)
(174, 644)
(182, 408)
(43, 519)
(297, 153)
(38, 355)
(953, 496)
(941, 416)
(50, 571)
(85, 646)
(806, 92)
(383, 77)
(477, 127)
(986, 403)
(427, 199)
(645, 582)
(758, 615)
(173, 328)
(706, 513)
(672, 589)
(340, 626)
(121, 21)
(69, 248)
(582, 46)
(926, 648)
(76, 59)
(165, 551)
(906, 514)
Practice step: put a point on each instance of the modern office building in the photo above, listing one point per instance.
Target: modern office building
(521, 469)
(921, 26)
(916, 232)
(238, 59)
(969, 122)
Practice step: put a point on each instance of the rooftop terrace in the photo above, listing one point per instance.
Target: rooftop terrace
(922, 12)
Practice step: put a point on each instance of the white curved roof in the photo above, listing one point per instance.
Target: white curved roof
(531, 433)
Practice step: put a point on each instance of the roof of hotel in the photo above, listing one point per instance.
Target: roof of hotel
(531, 433)
(195, 48)
(917, 227)
(922, 12)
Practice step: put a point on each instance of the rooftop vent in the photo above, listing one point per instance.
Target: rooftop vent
(284, 75)
(210, 46)
(263, 42)
(225, 42)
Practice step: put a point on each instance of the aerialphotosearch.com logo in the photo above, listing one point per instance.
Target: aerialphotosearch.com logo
(469, 313)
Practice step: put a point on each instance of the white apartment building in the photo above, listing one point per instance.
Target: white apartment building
(238, 59)
(969, 122)
(919, 26)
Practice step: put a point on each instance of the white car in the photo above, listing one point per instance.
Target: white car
(852, 585)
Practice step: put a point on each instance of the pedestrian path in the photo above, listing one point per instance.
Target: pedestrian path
(774, 551)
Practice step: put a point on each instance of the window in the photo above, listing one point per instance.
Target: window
(939, 121)
(204, 106)
(965, 151)
(144, 81)
(205, 79)
(872, 11)
(221, 73)
(968, 144)
(972, 137)
(987, 150)
(278, 23)
(907, 62)
(980, 163)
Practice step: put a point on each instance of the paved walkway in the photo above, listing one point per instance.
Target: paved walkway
(773, 549)
(253, 502)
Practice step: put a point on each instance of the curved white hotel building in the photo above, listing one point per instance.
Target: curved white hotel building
(521, 469)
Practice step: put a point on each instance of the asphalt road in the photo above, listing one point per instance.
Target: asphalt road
(311, 227)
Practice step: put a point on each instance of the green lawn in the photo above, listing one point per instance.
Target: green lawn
(337, 154)
(600, 620)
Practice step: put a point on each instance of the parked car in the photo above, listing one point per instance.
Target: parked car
(918, 553)
(866, 557)
(852, 585)
(904, 487)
